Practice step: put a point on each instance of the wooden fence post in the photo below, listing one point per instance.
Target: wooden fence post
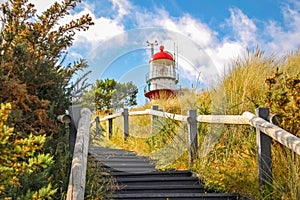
(98, 129)
(110, 127)
(154, 107)
(154, 120)
(74, 112)
(126, 123)
(264, 153)
(192, 135)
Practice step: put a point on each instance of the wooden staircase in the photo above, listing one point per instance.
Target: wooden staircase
(137, 178)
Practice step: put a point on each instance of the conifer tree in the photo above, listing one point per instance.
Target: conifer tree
(32, 76)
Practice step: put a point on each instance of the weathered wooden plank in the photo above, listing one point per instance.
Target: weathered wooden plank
(78, 169)
(282, 136)
(167, 115)
(222, 119)
(111, 116)
(136, 113)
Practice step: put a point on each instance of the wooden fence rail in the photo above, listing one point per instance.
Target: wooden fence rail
(280, 135)
(266, 131)
(79, 162)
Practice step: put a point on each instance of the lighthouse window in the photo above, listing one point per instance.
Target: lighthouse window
(163, 68)
(163, 71)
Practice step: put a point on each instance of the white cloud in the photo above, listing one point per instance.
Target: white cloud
(75, 55)
(192, 28)
(224, 53)
(283, 38)
(123, 8)
(103, 29)
(244, 28)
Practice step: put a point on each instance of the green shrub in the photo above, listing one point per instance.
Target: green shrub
(23, 167)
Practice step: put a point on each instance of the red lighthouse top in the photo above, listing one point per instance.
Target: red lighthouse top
(162, 55)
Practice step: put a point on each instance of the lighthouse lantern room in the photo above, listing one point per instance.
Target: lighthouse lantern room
(162, 78)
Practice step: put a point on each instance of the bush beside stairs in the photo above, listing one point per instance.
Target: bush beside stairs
(137, 178)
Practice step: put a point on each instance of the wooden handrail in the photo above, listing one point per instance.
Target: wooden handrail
(280, 135)
(265, 131)
(277, 133)
(111, 116)
(224, 119)
(79, 162)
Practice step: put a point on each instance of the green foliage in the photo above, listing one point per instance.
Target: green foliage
(36, 81)
(59, 172)
(103, 92)
(164, 131)
(283, 98)
(110, 94)
(124, 95)
(99, 183)
(33, 76)
(20, 161)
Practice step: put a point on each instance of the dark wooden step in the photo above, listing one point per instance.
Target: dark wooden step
(133, 170)
(109, 151)
(181, 196)
(182, 173)
(125, 159)
(158, 181)
(159, 189)
(128, 164)
(137, 178)
(113, 156)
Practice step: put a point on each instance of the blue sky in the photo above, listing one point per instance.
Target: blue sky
(208, 34)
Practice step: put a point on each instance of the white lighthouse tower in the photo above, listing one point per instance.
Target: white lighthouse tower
(162, 77)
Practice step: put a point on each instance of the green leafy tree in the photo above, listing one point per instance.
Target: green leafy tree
(20, 161)
(109, 93)
(103, 92)
(125, 95)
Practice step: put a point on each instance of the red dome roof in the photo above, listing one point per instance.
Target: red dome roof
(162, 55)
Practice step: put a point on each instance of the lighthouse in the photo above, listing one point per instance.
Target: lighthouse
(162, 77)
